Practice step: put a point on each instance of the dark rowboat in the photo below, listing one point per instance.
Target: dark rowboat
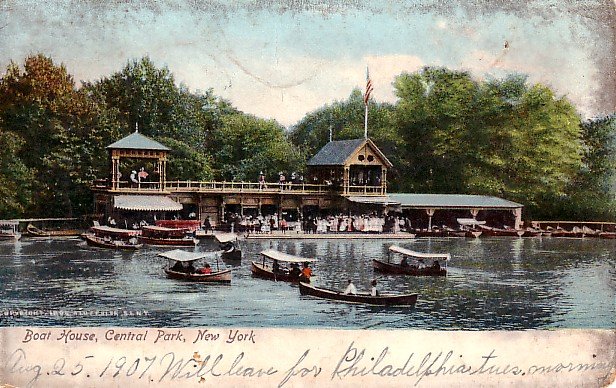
(266, 270)
(36, 232)
(490, 231)
(229, 245)
(362, 298)
(183, 262)
(610, 235)
(101, 242)
(413, 263)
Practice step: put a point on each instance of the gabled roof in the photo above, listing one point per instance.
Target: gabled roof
(136, 141)
(336, 153)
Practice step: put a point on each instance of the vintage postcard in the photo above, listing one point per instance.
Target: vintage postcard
(307, 193)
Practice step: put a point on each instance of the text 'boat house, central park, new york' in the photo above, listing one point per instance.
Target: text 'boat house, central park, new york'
(345, 176)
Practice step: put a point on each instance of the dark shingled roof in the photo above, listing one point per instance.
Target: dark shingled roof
(335, 153)
(136, 141)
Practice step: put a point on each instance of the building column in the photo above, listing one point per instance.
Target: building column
(345, 180)
(163, 175)
(518, 218)
(430, 213)
(474, 213)
(114, 174)
(383, 181)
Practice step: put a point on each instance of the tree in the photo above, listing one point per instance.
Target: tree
(592, 194)
(501, 137)
(346, 121)
(15, 178)
(247, 145)
(62, 129)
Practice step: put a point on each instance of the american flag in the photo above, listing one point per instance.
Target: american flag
(369, 87)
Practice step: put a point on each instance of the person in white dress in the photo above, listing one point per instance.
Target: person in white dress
(350, 289)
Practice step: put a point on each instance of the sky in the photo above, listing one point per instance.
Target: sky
(281, 60)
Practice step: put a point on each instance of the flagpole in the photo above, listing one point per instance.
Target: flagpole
(366, 122)
(366, 100)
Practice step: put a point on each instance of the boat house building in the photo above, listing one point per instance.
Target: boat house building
(344, 177)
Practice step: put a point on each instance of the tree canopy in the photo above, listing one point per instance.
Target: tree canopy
(447, 133)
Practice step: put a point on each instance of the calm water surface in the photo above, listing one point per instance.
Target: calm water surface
(493, 283)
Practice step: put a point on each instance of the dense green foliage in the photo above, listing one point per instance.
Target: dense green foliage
(592, 194)
(504, 138)
(54, 134)
(447, 133)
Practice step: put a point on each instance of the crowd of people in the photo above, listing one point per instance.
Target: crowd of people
(369, 223)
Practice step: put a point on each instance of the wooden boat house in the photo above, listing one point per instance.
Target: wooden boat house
(345, 176)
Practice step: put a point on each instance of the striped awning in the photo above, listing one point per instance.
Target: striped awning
(145, 203)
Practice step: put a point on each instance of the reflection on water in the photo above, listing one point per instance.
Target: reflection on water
(493, 283)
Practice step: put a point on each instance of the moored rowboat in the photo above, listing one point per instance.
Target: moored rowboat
(114, 238)
(362, 298)
(36, 232)
(101, 242)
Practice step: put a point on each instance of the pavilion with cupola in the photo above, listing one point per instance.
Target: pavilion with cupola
(343, 177)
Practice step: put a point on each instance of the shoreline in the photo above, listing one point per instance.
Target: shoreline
(327, 236)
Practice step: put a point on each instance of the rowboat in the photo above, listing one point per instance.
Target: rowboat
(36, 232)
(610, 235)
(229, 245)
(289, 272)
(113, 238)
(469, 227)
(9, 230)
(413, 263)
(362, 298)
(160, 235)
(181, 267)
(490, 231)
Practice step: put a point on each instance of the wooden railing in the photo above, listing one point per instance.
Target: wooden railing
(237, 187)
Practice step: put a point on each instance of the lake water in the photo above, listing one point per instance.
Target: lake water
(493, 283)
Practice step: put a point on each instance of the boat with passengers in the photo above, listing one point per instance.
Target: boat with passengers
(413, 263)
(160, 235)
(229, 245)
(381, 299)
(181, 267)
(281, 266)
(113, 238)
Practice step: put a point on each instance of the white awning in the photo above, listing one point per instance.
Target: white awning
(225, 237)
(280, 256)
(108, 230)
(375, 200)
(420, 255)
(180, 255)
(146, 203)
